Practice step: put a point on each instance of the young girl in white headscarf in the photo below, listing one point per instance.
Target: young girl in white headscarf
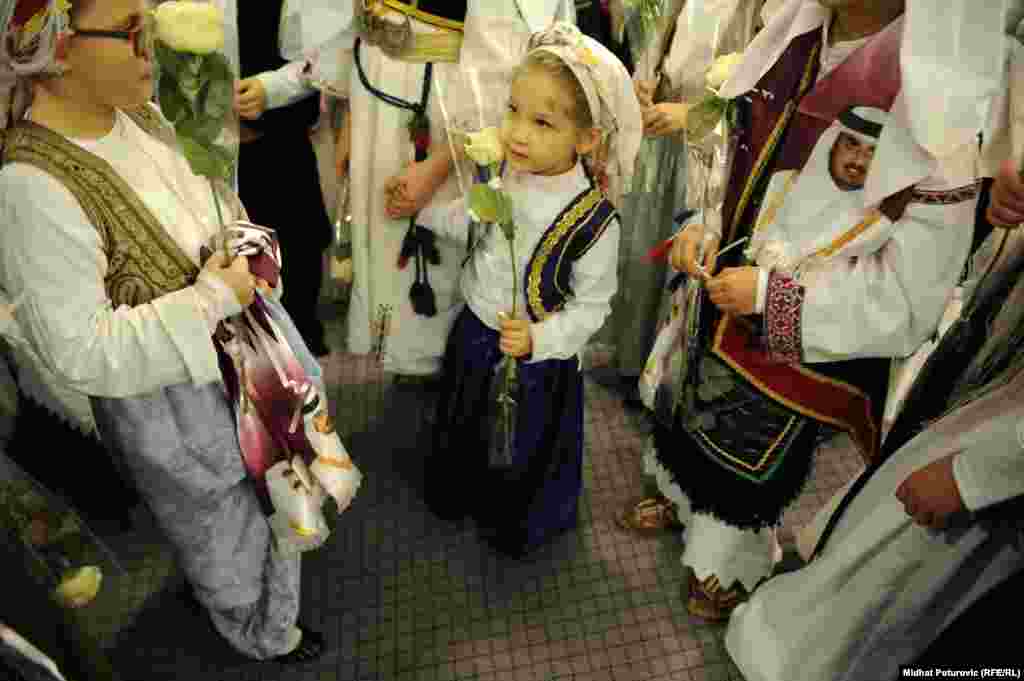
(570, 100)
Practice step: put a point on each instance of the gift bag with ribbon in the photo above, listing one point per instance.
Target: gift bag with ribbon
(290, 449)
(662, 379)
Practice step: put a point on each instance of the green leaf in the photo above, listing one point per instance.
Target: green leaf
(505, 215)
(202, 129)
(217, 97)
(171, 62)
(215, 66)
(485, 201)
(702, 118)
(172, 102)
(207, 160)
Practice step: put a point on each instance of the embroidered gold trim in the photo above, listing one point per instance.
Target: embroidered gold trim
(849, 235)
(410, 10)
(798, 408)
(769, 148)
(571, 219)
(581, 225)
(768, 214)
(144, 261)
(767, 453)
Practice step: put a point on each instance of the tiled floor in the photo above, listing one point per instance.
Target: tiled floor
(404, 596)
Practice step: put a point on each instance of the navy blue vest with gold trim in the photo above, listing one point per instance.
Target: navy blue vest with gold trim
(574, 232)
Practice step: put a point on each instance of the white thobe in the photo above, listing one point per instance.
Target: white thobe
(881, 295)
(487, 279)
(884, 587)
(493, 43)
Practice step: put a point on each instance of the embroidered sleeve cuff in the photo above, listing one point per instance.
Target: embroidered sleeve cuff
(782, 312)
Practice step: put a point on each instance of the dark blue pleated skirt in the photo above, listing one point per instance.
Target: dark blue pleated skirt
(519, 506)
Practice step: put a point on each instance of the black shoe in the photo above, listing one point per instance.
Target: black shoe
(310, 648)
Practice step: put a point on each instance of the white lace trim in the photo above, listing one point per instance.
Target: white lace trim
(713, 547)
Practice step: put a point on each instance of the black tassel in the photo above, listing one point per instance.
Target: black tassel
(429, 246)
(421, 295)
(409, 247)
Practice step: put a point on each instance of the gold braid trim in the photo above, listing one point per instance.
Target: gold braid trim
(143, 260)
(571, 219)
(849, 235)
(768, 150)
(740, 462)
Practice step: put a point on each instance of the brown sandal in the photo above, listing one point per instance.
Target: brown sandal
(654, 514)
(709, 601)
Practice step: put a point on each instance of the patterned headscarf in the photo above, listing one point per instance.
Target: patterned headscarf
(30, 32)
(610, 96)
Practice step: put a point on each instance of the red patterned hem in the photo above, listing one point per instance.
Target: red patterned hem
(782, 313)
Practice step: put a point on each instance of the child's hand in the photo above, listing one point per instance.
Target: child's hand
(515, 336)
(409, 191)
(734, 291)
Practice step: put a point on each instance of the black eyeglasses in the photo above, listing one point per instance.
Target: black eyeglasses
(141, 37)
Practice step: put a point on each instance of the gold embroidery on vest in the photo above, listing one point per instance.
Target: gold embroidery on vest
(571, 218)
(143, 260)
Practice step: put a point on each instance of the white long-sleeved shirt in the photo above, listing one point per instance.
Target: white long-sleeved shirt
(52, 255)
(487, 281)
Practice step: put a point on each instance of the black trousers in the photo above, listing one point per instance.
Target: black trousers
(279, 184)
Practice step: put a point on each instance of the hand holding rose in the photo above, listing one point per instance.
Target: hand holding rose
(515, 336)
(734, 291)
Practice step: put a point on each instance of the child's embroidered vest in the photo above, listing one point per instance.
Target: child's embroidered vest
(574, 232)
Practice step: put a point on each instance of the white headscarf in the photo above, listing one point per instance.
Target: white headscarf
(816, 210)
(937, 45)
(610, 96)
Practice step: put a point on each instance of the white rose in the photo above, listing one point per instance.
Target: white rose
(79, 587)
(190, 26)
(722, 69)
(484, 147)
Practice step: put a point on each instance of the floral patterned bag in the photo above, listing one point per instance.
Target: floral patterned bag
(662, 379)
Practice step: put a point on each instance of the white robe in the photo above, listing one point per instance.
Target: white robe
(884, 587)
(494, 39)
(880, 295)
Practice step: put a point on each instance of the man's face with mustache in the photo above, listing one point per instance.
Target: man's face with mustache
(849, 162)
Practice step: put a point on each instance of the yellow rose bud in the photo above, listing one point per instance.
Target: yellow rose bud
(79, 587)
(190, 26)
(722, 69)
(485, 147)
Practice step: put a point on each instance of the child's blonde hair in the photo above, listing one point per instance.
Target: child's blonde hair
(553, 65)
